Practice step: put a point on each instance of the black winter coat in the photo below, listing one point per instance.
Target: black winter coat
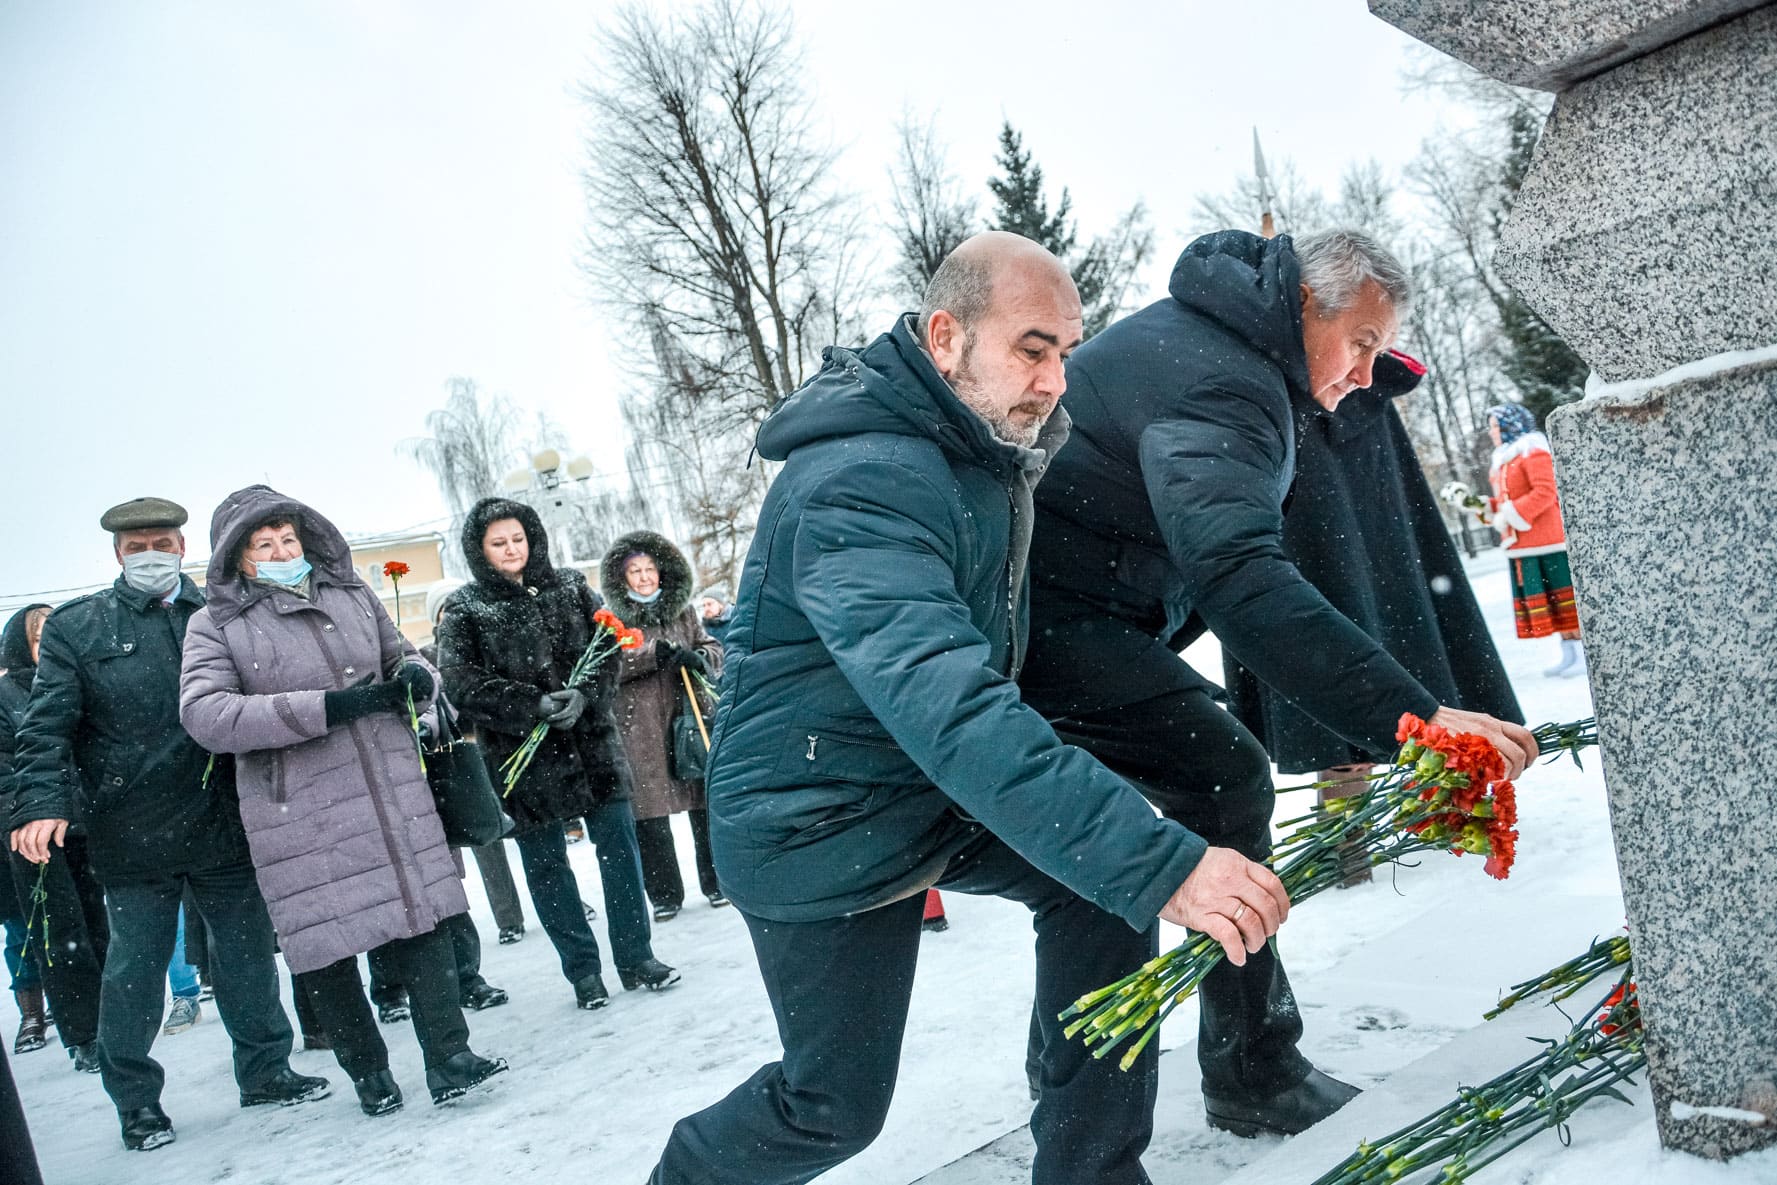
(869, 723)
(1168, 502)
(15, 693)
(101, 740)
(502, 645)
(1364, 528)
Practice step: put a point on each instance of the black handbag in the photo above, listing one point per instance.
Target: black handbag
(468, 807)
(689, 751)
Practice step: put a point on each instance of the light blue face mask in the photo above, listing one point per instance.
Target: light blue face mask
(152, 572)
(639, 599)
(288, 572)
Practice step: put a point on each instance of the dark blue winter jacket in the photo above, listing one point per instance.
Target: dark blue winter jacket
(1169, 501)
(869, 722)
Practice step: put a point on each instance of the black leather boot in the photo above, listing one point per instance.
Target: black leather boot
(1287, 1113)
(33, 1023)
(287, 1088)
(459, 1072)
(145, 1128)
(377, 1093)
(649, 973)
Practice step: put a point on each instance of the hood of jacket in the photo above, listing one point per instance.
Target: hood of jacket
(15, 648)
(892, 386)
(1251, 287)
(227, 591)
(538, 571)
(676, 583)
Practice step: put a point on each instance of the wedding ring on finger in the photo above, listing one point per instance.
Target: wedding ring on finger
(1237, 914)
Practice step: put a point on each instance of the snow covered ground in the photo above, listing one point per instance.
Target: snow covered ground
(1386, 974)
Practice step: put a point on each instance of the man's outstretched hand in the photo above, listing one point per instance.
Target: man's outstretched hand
(1238, 902)
(1513, 741)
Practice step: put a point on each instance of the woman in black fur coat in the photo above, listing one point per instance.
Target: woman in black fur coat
(506, 646)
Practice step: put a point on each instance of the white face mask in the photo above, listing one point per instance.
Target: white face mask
(153, 572)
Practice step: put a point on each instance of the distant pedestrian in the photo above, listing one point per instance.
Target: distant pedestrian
(647, 582)
(713, 607)
(1527, 514)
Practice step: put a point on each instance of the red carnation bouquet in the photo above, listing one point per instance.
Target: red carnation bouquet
(1444, 792)
(609, 635)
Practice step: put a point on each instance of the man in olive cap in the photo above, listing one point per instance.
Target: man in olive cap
(101, 742)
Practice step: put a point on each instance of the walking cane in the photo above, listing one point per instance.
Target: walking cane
(695, 710)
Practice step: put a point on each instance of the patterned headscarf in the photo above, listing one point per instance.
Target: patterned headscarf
(1514, 420)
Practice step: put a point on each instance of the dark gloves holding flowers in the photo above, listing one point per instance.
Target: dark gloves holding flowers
(562, 709)
(670, 657)
(367, 698)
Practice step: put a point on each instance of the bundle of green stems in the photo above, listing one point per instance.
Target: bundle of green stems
(1484, 1123)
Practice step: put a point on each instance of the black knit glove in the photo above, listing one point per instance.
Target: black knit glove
(664, 652)
(366, 699)
(416, 680)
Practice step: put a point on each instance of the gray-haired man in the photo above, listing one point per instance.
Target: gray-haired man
(1163, 516)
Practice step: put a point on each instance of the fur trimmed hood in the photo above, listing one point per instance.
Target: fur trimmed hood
(676, 582)
(226, 591)
(538, 571)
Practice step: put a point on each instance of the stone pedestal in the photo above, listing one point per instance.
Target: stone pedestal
(1643, 234)
(1670, 500)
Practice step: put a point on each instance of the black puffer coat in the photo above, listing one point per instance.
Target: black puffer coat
(1365, 530)
(1168, 502)
(502, 644)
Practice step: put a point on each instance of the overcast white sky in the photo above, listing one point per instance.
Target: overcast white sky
(250, 241)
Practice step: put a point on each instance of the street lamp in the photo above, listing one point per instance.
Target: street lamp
(543, 476)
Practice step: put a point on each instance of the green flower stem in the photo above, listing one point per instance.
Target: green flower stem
(39, 916)
(413, 722)
(603, 645)
(1486, 1122)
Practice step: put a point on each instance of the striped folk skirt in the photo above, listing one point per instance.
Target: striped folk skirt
(1542, 595)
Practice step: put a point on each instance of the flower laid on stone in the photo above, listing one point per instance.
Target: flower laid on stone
(1444, 792)
(394, 570)
(1570, 976)
(1485, 1122)
(609, 635)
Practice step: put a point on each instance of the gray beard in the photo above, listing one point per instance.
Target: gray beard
(968, 389)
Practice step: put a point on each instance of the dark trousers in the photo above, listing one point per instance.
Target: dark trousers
(465, 946)
(556, 894)
(496, 879)
(144, 917)
(660, 858)
(425, 968)
(1201, 767)
(73, 909)
(840, 992)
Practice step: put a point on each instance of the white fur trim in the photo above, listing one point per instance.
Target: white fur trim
(1540, 549)
(1530, 442)
(1508, 514)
